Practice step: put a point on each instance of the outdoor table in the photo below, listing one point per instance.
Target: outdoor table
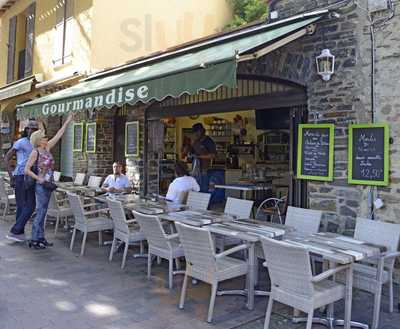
(337, 249)
(197, 218)
(249, 231)
(244, 188)
(134, 202)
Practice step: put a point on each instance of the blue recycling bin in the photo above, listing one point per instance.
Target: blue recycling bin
(216, 177)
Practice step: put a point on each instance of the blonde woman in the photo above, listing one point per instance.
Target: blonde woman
(42, 159)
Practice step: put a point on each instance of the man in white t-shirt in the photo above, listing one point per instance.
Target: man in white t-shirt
(181, 185)
(117, 182)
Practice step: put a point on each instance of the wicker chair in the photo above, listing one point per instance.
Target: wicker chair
(239, 208)
(160, 244)
(122, 230)
(306, 221)
(198, 200)
(94, 181)
(7, 201)
(293, 284)
(58, 209)
(56, 176)
(371, 275)
(202, 263)
(85, 223)
(79, 179)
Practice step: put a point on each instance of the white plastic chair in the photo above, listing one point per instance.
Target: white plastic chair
(159, 243)
(198, 200)
(372, 274)
(202, 263)
(85, 223)
(58, 209)
(293, 284)
(7, 201)
(123, 231)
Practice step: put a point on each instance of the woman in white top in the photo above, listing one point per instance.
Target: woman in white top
(178, 189)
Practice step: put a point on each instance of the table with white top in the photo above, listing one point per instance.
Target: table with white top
(249, 231)
(244, 188)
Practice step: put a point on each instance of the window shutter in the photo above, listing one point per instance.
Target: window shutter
(58, 46)
(69, 29)
(30, 32)
(12, 34)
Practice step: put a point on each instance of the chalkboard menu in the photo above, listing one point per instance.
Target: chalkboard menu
(369, 154)
(315, 152)
(132, 138)
(91, 137)
(77, 145)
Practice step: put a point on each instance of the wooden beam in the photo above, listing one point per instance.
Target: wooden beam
(270, 101)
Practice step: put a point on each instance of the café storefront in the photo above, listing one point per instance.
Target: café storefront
(125, 113)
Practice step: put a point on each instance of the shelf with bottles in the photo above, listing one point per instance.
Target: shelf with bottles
(220, 128)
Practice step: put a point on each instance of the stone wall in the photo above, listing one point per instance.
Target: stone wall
(343, 100)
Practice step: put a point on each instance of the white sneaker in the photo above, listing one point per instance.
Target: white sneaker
(16, 237)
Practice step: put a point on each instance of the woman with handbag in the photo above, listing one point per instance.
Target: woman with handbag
(40, 167)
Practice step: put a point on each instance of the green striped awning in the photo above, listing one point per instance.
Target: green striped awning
(198, 68)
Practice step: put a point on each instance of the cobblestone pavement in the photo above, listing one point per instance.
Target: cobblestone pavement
(56, 289)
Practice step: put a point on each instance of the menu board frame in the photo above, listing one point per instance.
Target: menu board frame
(76, 125)
(91, 124)
(386, 142)
(127, 125)
(331, 128)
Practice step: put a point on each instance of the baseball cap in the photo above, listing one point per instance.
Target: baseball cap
(197, 127)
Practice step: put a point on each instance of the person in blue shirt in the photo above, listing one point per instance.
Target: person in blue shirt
(203, 151)
(25, 198)
(117, 182)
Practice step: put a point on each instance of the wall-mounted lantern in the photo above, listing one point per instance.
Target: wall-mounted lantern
(325, 64)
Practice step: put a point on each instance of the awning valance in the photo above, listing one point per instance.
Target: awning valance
(19, 87)
(198, 69)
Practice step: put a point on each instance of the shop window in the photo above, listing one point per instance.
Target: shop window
(64, 33)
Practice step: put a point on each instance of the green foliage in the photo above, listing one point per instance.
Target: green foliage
(247, 11)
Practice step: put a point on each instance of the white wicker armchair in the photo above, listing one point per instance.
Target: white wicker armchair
(293, 284)
(7, 201)
(160, 244)
(123, 231)
(202, 263)
(198, 200)
(87, 221)
(372, 274)
(58, 209)
(239, 208)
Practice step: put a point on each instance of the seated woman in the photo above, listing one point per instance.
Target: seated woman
(181, 185)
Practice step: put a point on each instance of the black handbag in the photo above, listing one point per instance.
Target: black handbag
(30, 182)
(49, 185)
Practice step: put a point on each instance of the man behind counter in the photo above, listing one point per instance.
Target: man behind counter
(204, 150)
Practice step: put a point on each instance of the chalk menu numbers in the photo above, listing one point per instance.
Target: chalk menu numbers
(91, 137)
(369, 154)
(132, 138)
(315, 152)
(77, 145)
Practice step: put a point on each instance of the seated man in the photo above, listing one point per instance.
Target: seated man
(117, 182)
(178, 189)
